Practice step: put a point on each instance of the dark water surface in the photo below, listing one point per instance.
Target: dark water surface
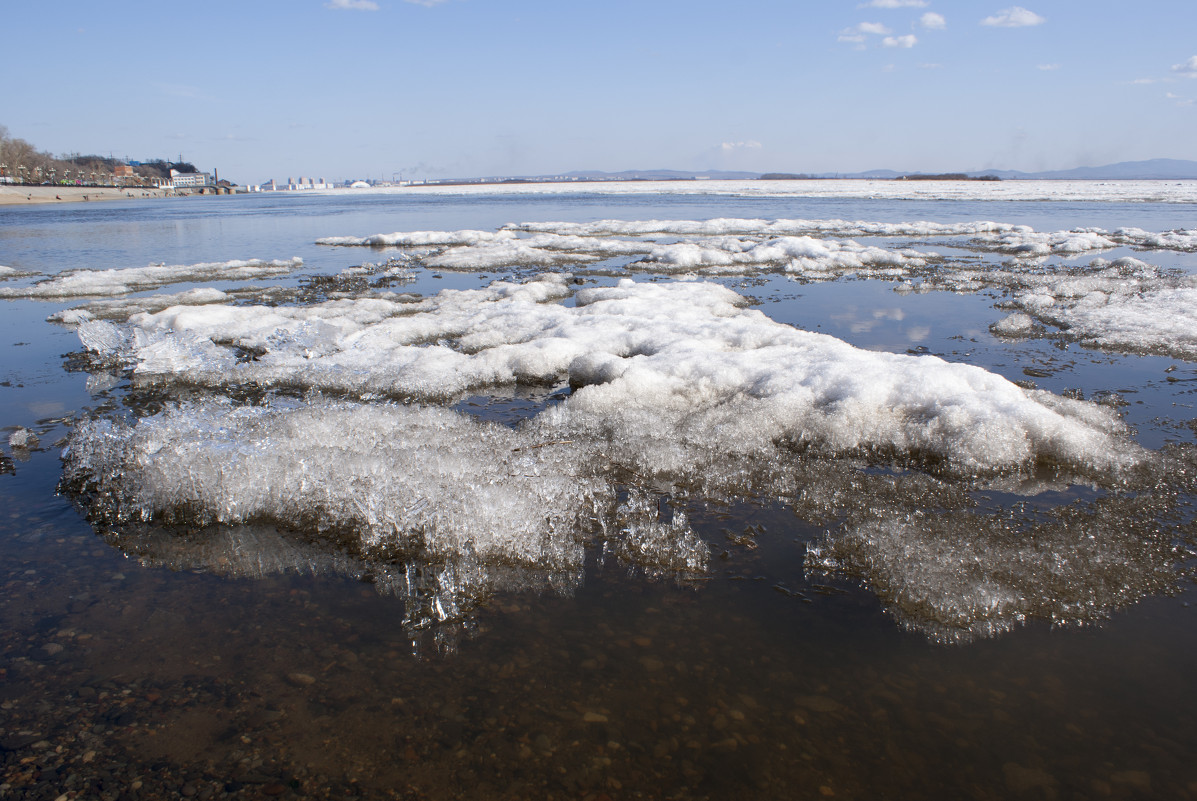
(130, 670)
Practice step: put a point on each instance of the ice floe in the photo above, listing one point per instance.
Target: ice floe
(108, 283)
(731, 226)
(437, 506)
(124, 308)
(386, 476)
(723, 254)
(1083, 240)
(418, 238)
(683, 360)
(1125, 304)
(799, 247)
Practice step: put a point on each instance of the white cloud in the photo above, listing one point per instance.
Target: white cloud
(1047, 67)
(1143, 81)
(352, 5)
(1188, 68)
(894, 4)
(908, 40)
(728, 147)
(933, 22)
(856, 35)
(1016, 17)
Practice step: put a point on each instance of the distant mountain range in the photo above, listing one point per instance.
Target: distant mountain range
(1153, 169)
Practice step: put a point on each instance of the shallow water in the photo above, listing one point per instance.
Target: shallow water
(248, 662)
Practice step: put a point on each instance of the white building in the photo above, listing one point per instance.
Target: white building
(182, 179)
(291, 186)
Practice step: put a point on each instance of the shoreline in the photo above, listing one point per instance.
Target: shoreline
(17, 195)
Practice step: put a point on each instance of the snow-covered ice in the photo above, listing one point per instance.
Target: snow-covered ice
(801, 248)
(732, 226)
(1125, 304)
(108, 283)
(480, 506)
(686, 360)
(123, 308)
(418, 238)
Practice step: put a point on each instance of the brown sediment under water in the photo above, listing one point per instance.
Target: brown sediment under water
(760, 681)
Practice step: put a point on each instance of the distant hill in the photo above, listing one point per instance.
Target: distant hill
(1150, 170)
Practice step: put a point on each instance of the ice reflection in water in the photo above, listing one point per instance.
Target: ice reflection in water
(434, 506)
(956, 574)
(445, 511)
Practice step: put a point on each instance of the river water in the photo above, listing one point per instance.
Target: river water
(167, 657)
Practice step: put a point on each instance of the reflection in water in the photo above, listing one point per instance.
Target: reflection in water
(444, 511)
(430, 505)
(439, 597)
(956, 575)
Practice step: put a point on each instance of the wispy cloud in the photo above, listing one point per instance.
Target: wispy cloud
(894, 4)
(1047, 67)
(1015, 17)
(728, 147)
(1187, 69)
(352, 5)
(427, 3)
(908, 40)
(857, 33)
(933, 22)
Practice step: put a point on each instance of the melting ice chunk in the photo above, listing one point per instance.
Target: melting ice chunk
(674, 362)
(83, 283)
(438, 507)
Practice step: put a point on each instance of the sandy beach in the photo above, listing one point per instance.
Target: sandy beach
(14, 195)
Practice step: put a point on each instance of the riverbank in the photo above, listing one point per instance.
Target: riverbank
(24, 195)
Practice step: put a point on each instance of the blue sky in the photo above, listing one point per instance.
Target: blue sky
(440, 88)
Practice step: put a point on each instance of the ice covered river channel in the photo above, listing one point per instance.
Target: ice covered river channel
(601, 495)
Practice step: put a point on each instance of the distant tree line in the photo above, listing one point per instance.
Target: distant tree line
(21, 162)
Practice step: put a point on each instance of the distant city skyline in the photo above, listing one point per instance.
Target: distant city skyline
(465, 88)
